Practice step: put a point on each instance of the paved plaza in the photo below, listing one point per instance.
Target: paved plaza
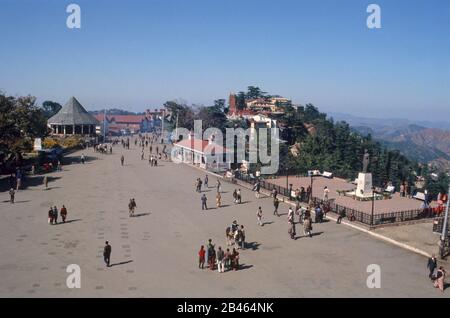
(395, 204)
(155, 253)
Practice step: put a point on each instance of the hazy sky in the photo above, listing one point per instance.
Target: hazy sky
(139, 54)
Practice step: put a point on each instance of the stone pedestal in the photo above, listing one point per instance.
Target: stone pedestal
(364, 185)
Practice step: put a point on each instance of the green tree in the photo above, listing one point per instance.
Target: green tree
(20, 122)
(50, 108)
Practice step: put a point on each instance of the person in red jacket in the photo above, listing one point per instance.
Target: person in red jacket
(201, 257)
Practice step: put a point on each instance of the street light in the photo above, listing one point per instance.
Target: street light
(373, 206)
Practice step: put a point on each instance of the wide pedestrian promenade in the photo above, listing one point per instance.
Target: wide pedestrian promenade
(155, 253)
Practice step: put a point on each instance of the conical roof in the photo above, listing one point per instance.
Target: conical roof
(73, 113)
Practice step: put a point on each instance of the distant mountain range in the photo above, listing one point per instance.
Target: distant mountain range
(423, 141)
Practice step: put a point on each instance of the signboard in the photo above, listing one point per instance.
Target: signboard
(37, 144)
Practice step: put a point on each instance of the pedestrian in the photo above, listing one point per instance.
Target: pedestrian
(218, 185)
(212, 258)
(432, 265)
(235, 200)
(107, 253)
(290, 215)
(259, 215)
(307, 227)
(132, 206)
(340, 216)
(218, 200)
(50, 216)
(46, 182)
(239, 196)
(257, 188)
(276, 203)
(12, 194)
(142, 155)
(274, 193)
(58, 167)
(242, 237)
(82, 158)
(55, 215)
(292, 231)
(235, 259)
(440, 277)
(209, 247)
(206, 181)
(201, 257)
(204, 199)
(63, 213)
(326, 192)
(220, 260)
(227, 259)
(122, 159)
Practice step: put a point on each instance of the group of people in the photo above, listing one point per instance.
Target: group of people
(235, 235)
(224, 260)
(103, 148)
(53, 215)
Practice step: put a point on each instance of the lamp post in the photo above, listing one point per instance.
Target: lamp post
(287, 181)
(444, 227)
(373, 206)
(311, 186)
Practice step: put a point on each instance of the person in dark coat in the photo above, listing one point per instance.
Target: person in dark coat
(204, 199)
(107, 253)
(432, 265)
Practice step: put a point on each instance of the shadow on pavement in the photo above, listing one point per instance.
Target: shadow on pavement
(121, 263)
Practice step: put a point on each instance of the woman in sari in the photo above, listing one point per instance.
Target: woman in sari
(440, 277)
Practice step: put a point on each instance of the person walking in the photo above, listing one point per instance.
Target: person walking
(257, 188)
(204, 199)
(242, 237)
(292, 231)
(340, 216)
(122, 159)
(46, 182)
(130, 208)
(55, 215)
(206, 181)
(220, 260)
(326, 192)
(239, 196)
(12, 194)
(218, 185)
(235, 200)
(259, 215)
(276, 203)
(290, 215)
(432, 265)
(50, 216)
(201, 257)
(63, 213)
(82, 158)
(307, 227)
(107, 253)
(440, 277)
(218, 200)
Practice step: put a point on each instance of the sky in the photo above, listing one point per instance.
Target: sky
(138, 54)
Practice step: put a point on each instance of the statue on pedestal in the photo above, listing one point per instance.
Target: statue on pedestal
(366, 159)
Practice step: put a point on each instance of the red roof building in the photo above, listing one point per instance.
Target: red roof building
(205, 154)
